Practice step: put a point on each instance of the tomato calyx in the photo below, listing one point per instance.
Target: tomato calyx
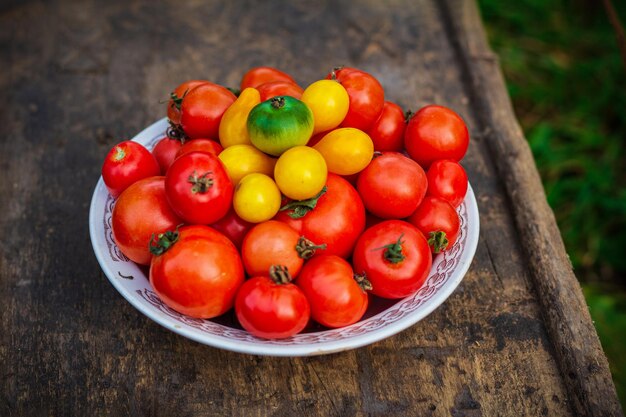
(202, 183)
(280, 274)
(160, 243)
(438, 241)
(306, 249)
(333, 73)
(393, 251)
(299, 208)
(176, 132)
(408, 115)
(278, 102)
(119, 154)
(363, 282)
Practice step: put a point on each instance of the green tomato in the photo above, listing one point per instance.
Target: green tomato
(280, 123)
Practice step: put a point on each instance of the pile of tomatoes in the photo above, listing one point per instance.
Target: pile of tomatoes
(289, 204)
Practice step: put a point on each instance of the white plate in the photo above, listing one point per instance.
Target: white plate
(383, 319)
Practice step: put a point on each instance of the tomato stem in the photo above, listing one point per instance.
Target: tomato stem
(202, 183)
(280, 274)
(176, 132)
(278, 102)
(299, 208)
(438, 241)
(363, 282)
(333, 73)
(306, 249)
(160, 243)
(393, 251)
(408, 115)
(119, 154)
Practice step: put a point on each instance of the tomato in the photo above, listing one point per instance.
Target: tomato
(279, 124)
(366, 97)
(438, 221)
(392, 186)
(395, 258)
(202, 110)
(387, 132)
(165, 152)
(198, 188)
(300, 172)
(196, 271)
(346, 150)
(176, 98)
(257, 198)
(436, 132)
(233, 227)
(140, 211)
(241, 160)
(336, 295)
(329, 102)
(336, 219)
(200, 145)
(261, 75)
(272, 307)
(279, 88)
(447, 179)
(127, 163)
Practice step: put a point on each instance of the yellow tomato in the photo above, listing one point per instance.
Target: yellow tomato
(233, 128)
(241, 160)
(257, 198)
(329, 102)
(346, 150)
(300, 172)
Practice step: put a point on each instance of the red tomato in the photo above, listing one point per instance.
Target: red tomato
(140, 211)
(198, 273)
(395, 258)
(198, 188)
(366, 97)
(447, 179)
(176, 98)
(337, 219)
(271, 243)
(438, 221)
(436, 132)
(392, 186)
(127, 163)
(233, 227)
(200, 145)
(165, 152)
(336, 297)
(279, 88)
(272, 308)
(261, 75)
(202, 110)
(387, 133)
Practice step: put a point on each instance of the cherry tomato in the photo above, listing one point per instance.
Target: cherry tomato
(279, 88)
(447, 179)
(392, 186)
(196, 271)
(300, 172)
(198, 188)
(165, 152)
(329, 102)
(127, 163)
(140, 211)
(346, 150)
(233, 227)
(387, 132)
(366, 97)
(436, 132)
(202, 110)
(272, 308)
(395, 258)
(271, 243)
(261, 75)
(176, 98)
(337, 219)
(438, 221)
(336, 295)
(257, 198)
(241, 160)
(200, 145)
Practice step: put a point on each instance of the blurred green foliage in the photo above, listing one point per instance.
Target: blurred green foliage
(567, 81)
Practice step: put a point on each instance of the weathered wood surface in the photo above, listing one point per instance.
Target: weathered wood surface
(514, 339)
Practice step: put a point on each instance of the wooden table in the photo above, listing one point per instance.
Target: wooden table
(514, 339)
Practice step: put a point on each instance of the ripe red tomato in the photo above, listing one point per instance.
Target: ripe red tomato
(176, 98)
(198, 188)
(395, 258)
(337, 219)
(438, 221)
(367, 97)
(165, 152)
(447, 179)
(272, 308)
(140, 211)
(387, 133)
(392, 186)
(233, 227)
(261, 75)
(127, 163)
(200, 145)
(279, 88)
(196, 271)
(436, 132)
(202, 110)
(336, 296)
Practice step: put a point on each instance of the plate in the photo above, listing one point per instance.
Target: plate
(383, 319)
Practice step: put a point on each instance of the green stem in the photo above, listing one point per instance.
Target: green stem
(119, 154)
(363, 282)
(299, 208)
(160, 243)
(393, 251)
(306, 249)
(202, 183)
(280, 274)
(438, 241)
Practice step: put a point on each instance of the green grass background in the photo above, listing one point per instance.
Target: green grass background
(567, 81)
